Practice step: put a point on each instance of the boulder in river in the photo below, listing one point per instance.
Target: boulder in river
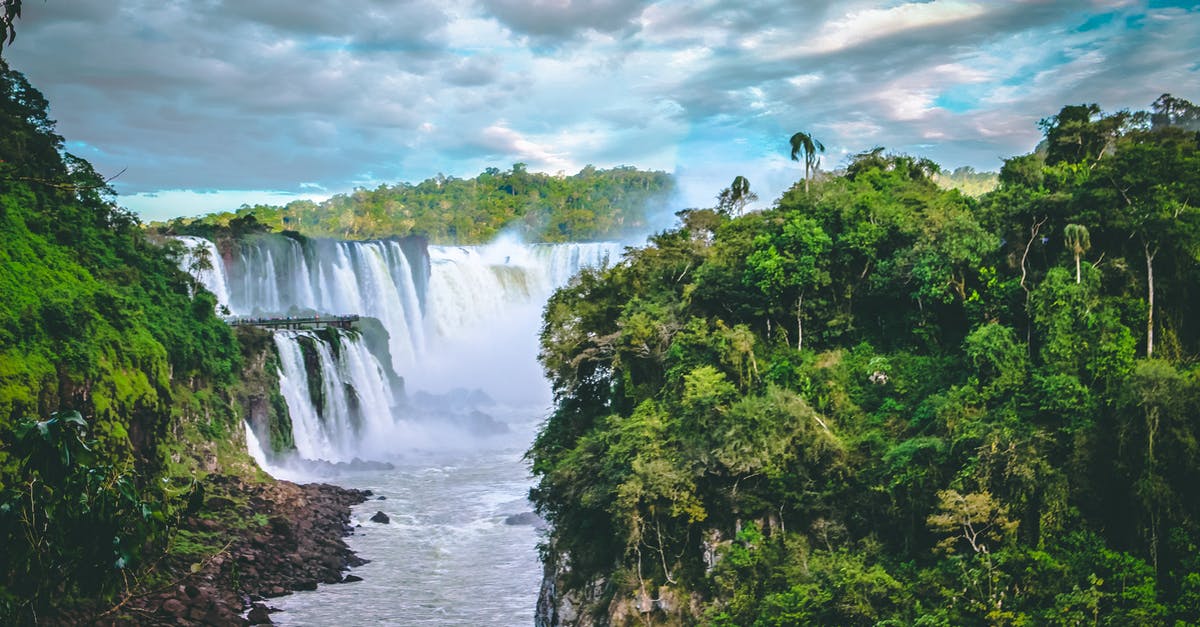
(526, 518)
(259, 615)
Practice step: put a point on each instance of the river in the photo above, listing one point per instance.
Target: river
(447, 556)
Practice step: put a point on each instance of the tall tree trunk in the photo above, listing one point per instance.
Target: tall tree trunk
(1078, 277)
(1149, 298)
(1033, 231)
(799, 323)
(806, 178)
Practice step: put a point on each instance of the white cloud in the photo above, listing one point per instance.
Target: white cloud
(540, 155)
(858, 27)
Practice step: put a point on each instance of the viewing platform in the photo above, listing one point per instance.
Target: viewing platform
(285, 322)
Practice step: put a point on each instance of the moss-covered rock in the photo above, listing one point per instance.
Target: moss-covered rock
(257, 392)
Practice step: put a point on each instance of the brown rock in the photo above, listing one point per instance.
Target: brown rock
(259, 615)
(174, 607)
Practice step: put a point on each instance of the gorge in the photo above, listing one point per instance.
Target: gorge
(429, 403)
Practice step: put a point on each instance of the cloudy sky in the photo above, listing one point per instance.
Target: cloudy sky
(207, 104)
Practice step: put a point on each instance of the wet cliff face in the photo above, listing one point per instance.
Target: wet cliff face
(563, 601)
(560, 606)
(257, 396)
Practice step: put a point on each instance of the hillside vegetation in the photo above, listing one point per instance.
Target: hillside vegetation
(884, 402)
(966, 180)
(116, 378)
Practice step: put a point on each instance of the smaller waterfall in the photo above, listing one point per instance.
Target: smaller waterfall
(338, 395)
(212, 278)
(254, 447)
(560, 262)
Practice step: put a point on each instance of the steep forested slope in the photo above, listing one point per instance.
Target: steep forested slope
(115, 382)
(882, 402)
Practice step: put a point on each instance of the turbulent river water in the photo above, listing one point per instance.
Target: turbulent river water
(447, 557)
(448, 397)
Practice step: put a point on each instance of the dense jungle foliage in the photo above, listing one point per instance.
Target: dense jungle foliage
(115, 375)
(968, 181)
(882, 402)
(591, 205)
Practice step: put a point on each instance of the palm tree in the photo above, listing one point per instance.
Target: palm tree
(741, 193)
(804, 144)
(1078, 241)
(201, 261)
(733, 199)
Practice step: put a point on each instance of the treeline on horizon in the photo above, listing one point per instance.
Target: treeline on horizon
(593, 204)
(880, 402)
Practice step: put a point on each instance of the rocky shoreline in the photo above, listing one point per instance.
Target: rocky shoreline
(276, 538)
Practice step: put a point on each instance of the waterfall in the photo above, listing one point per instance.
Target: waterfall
(454, 316)
(378, 279)
(470, 285)
(274, 275)
(338, 394)
(484, 312)
(213, 278)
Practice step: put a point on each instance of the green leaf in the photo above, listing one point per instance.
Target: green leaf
(71, 417)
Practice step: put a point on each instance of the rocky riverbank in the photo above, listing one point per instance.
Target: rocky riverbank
(248, 543)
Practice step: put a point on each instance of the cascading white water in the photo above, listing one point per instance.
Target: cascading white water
(355, 403)
(279, 276)
(213, 277)
(455, 317)
(484, 309)
(560, 262)
(470, 286)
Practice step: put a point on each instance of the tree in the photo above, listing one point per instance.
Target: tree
(1151, 182)
(1077, 240)
(8, 31)
(733, 199)
(787, 263)
(1082, 134)
(201, 259)
(804, 144)
(1171, 111)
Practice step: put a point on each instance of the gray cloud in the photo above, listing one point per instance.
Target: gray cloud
(243, 95)
(563, 19)
(473, 72)
(366, 23)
